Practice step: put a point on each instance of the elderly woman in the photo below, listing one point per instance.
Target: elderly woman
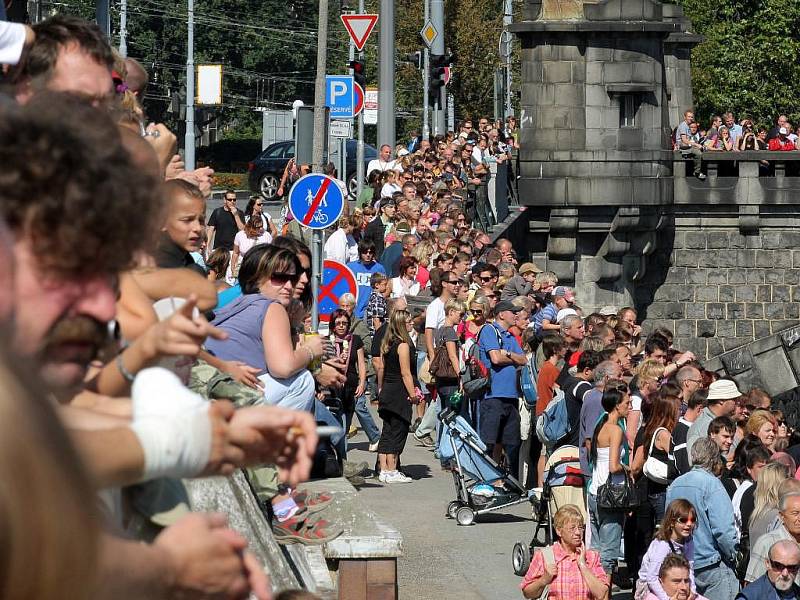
(572, 571)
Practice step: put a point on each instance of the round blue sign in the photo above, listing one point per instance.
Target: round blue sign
(316, 201)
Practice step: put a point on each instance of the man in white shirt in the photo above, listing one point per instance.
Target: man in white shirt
(337, 246)
(384, 161)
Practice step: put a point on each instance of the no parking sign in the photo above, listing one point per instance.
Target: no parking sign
(337, 280)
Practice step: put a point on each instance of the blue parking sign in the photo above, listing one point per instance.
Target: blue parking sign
(340, 96)
(316, 201)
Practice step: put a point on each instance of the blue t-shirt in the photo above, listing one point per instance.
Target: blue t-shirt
(505, 383)
(363, 274)
(228, 296)
(549, 312)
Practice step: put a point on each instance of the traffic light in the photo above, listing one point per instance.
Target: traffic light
(415, 58)
(438, 62)
(359, 69)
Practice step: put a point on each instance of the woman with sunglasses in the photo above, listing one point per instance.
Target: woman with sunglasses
(268, 277)
(255, 210)
(673, 537)
(252, 235)
(477, 315)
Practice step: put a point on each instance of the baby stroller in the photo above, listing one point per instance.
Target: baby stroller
(563, 484)
(482, 485)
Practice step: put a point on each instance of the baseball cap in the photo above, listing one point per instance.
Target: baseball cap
(402, 227)
(529, 267)
(565, 312)
(724, 389)
(783, 131)
(506, 305)
(562, 291)
(607, 311)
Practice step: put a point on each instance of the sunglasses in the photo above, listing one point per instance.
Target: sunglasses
(343, 323)
(259, 204)
(751, 407)
(686, 520)
(489, 278)
(368, 252)
(476, 311)
(454, 282)
(282, 278)
(779, 566)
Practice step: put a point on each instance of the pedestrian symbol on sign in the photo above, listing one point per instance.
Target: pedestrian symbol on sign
(316, 201)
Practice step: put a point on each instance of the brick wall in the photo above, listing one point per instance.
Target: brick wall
(719, 289)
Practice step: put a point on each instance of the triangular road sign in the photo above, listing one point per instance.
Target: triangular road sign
(359, 27)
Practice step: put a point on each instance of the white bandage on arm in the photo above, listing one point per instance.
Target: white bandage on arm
(172, 425)
(12, 40)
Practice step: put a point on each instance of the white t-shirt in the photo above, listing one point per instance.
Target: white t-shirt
(388, 190)
(336, 246)
(434, 315)
(265, 221)
(399, 290)
(377, 164)
(245, 243)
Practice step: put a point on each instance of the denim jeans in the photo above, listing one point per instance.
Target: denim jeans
(609, 534)
(366, 420)
(428, 424)
(658, 503)
(295, 392)
(716, 582)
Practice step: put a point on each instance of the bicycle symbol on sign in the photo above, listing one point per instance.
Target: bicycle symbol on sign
(319, 216)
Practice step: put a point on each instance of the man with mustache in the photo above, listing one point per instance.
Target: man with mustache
(78, 210)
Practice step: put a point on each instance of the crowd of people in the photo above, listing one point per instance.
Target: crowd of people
(725, 134)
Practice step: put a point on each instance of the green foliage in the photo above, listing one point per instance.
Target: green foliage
(748, 63)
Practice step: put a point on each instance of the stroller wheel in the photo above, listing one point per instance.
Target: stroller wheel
(453, 507)
(465, 516)
(521, 558)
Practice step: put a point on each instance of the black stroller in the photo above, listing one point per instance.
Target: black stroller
(563, 484)
(482, 485)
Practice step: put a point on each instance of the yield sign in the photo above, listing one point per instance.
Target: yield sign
(359, 27)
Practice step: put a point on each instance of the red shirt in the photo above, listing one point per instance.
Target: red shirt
(544, 386)
(778, 144)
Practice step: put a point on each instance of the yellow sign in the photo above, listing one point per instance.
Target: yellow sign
(429, 33)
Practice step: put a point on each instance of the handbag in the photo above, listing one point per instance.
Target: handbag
(618, 496)
(655, 469)
(441, 366)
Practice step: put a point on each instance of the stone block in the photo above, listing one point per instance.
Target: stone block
(679, 239)
(782, 260)
(774, 276)
(656, 310)
(781, 293)
(695, 310)
(731, 343)
(710, 259)
(718, 276)
(714, 347)
(764, 259)
(557, 72)
(745, 293)
(569, 95)
(753, 241)
(643, 72)
(790, 240)
(781, 325)
(727, 258)
(735, 310)
(706, 293)
(791, 276)
(773, 310)
(738, 276)
(796, 293)
(676, 275)
(796, 258)
(718, 239)
(665, 293)
(726, 329)
(685, 328)
(594, 72)
(771, 240)
(761, 329)
(792, 310)
(674, 310)
(706, 328)
(715, 310)
(764, 293)
(744, 328)
(697, 276)
(685, 293)
(726, 292)
(746, 258)
(755, 276)
(696, 345)
(696, 240)
(617, 72)
(596, 95)
(736, 240)
(754, 310)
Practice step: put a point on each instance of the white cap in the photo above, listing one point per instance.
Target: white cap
(783, 131)
(565, 312)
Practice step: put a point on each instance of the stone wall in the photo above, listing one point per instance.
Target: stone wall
(719, 289)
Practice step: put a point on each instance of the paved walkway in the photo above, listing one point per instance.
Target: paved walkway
(441, 559)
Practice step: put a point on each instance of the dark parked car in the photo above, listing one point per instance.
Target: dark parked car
(267, 168)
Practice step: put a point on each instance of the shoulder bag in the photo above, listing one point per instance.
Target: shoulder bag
(655, 469)
(549, 557)
(618, 496)
(441, 366)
